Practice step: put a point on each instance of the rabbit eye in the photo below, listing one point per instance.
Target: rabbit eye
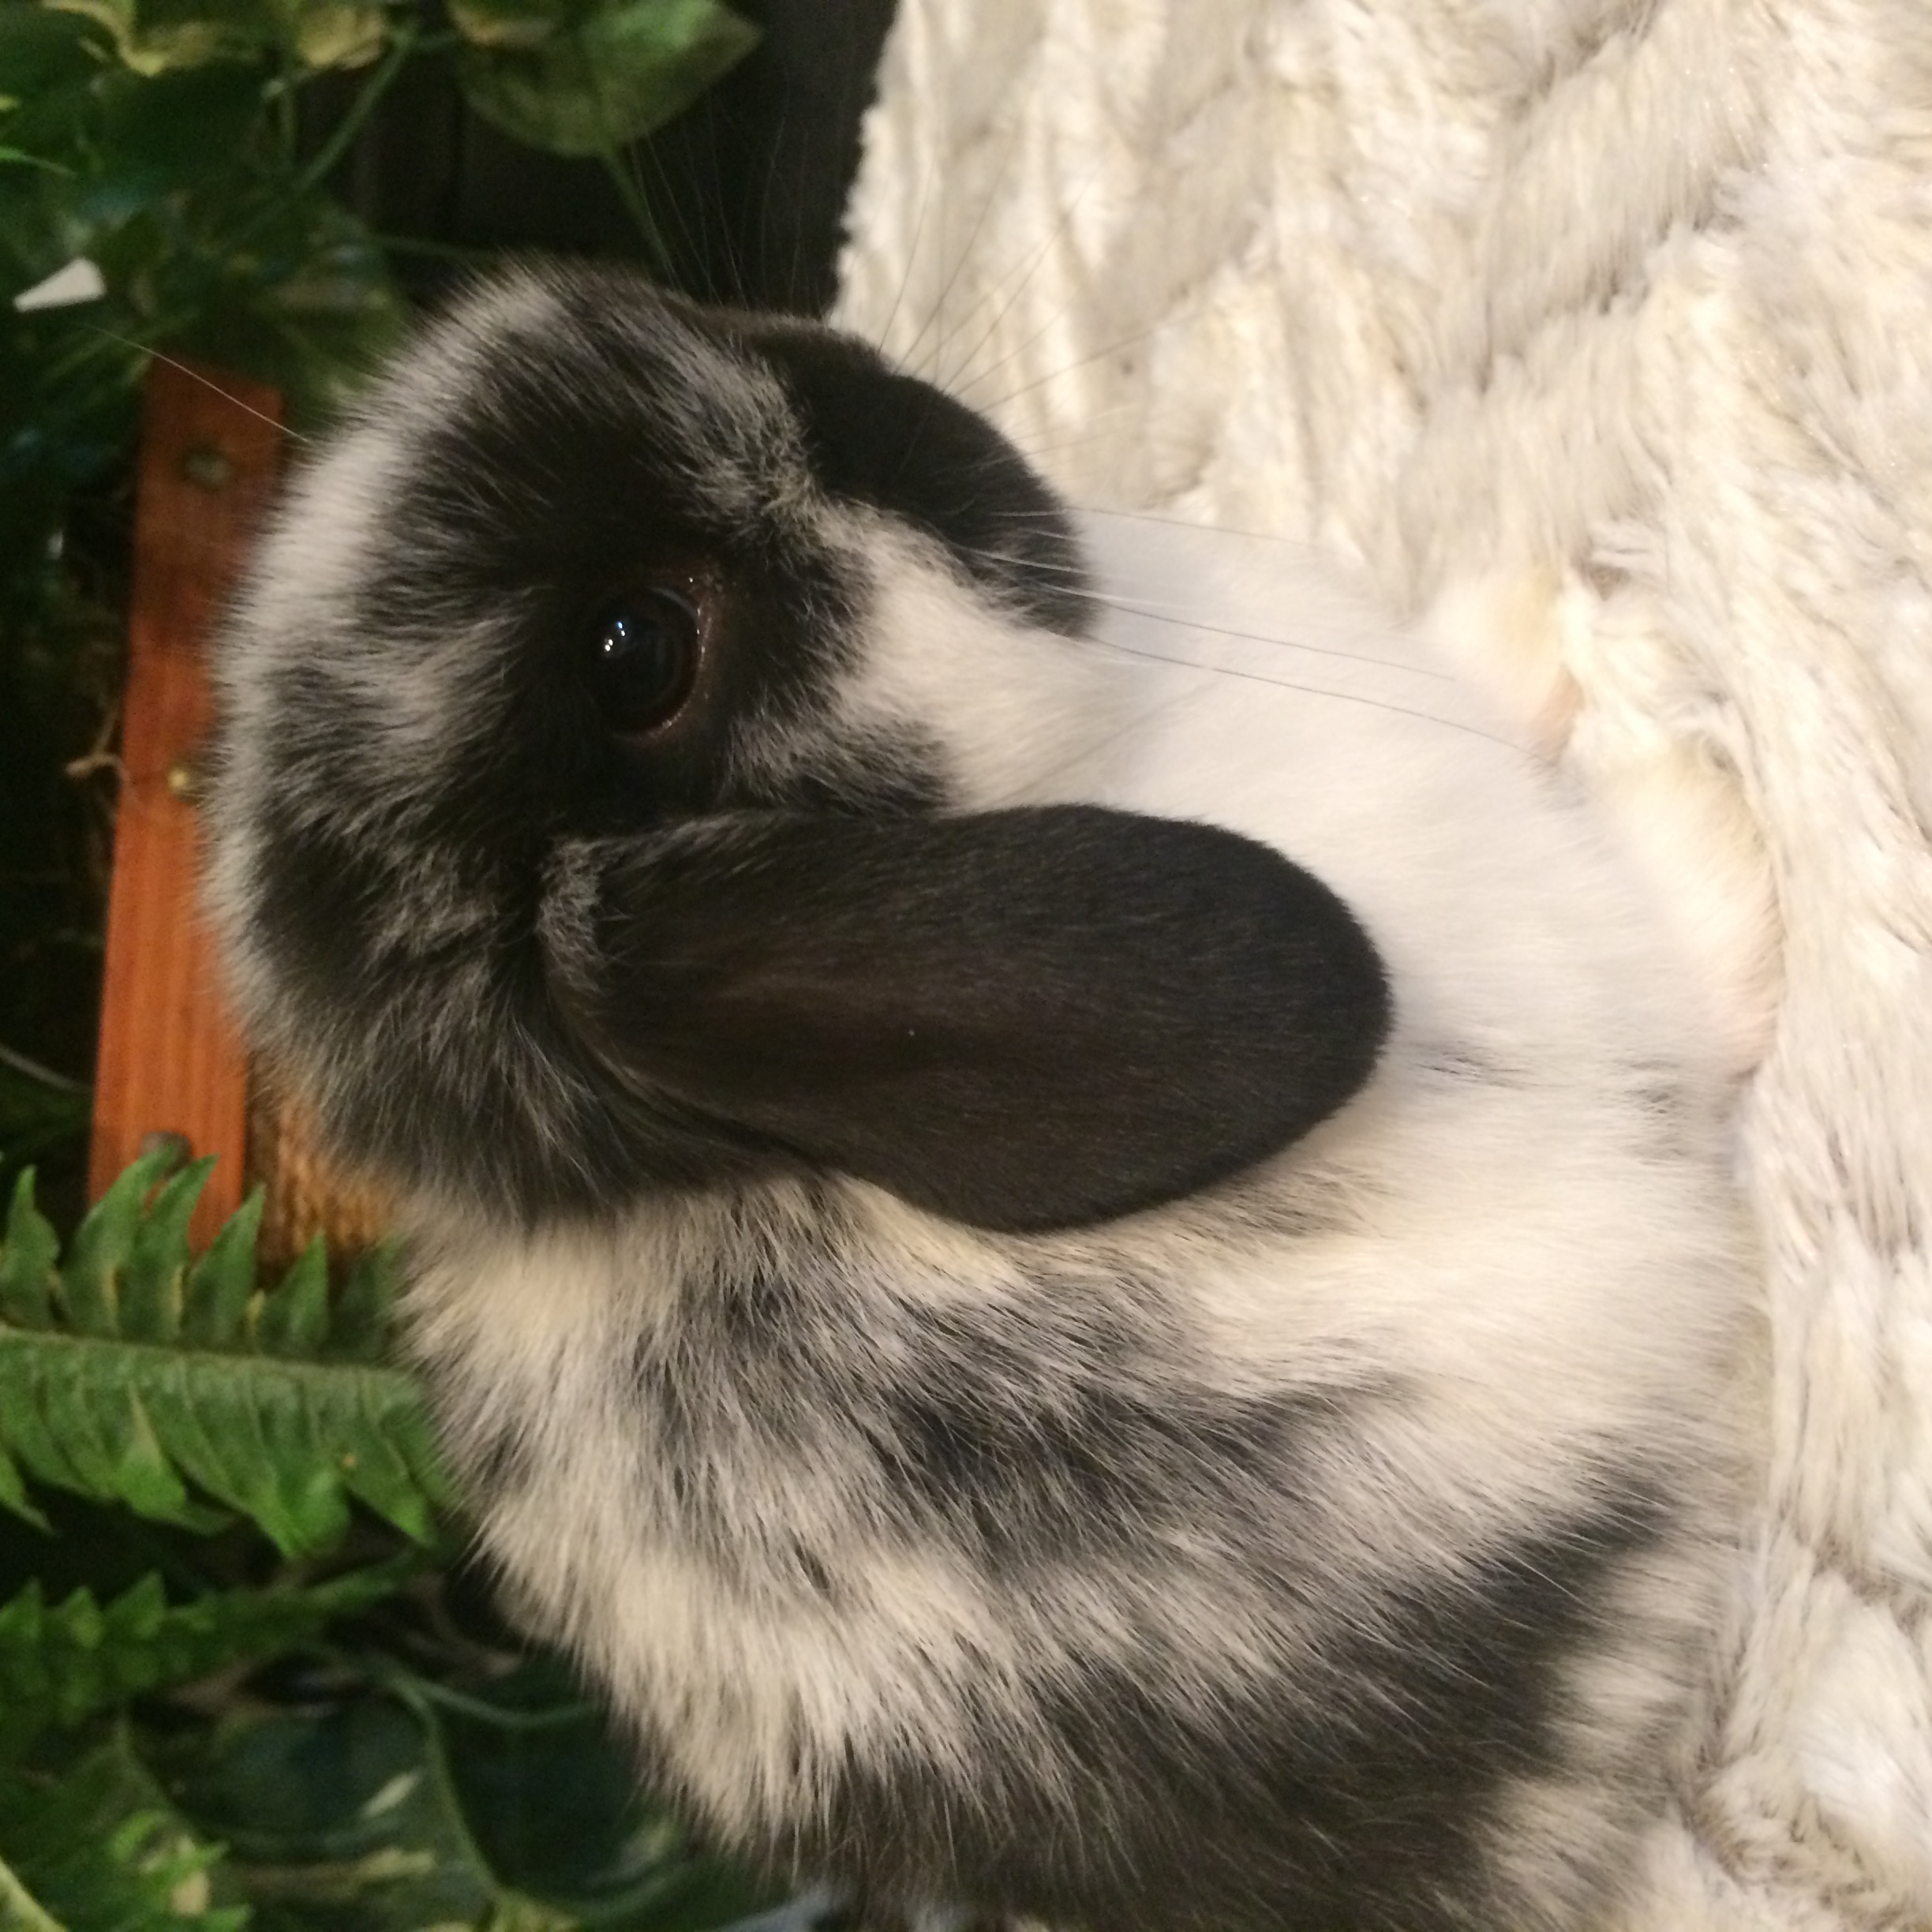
(644, 659)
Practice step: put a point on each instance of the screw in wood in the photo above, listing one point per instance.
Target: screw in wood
(208, 466)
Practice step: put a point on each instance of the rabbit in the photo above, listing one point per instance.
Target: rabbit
(1084, 1254)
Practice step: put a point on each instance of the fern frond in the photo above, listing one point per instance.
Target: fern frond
(96, 1849)
(131, 1373)
(61, 1662)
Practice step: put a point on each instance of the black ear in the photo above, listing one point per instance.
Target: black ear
(1021, 1020)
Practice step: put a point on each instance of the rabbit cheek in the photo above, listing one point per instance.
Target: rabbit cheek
(1015, 714)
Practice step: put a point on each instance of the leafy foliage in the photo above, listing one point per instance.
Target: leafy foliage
(507, 1804)
(60, 1662)
(590, 79)
(38, 1108)
(197, 1733)
(94, 1846)
(129, 1373)
(249, 1629)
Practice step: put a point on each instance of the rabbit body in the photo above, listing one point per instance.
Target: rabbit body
(1323, 1525)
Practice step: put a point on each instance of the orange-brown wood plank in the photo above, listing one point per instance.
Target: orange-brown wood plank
(169, 1060)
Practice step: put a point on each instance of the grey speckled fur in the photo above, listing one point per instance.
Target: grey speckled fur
(1336, 1545)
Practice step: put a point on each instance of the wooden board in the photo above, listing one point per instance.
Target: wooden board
(169, 1060)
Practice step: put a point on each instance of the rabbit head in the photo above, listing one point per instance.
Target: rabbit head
(643, 729)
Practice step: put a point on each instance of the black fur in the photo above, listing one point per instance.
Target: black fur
(902, 446)
(1355, 1801)
(1024, 1024)
(1019, 1019)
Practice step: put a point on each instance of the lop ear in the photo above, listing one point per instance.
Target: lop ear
(1021, 1020)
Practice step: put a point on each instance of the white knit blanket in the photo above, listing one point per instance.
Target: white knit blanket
(1599, 332)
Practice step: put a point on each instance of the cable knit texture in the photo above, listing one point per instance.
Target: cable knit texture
(1597, 334)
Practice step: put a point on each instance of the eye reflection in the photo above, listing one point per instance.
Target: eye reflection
(644, 659)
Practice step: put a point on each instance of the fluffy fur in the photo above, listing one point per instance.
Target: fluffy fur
(1337, 1539)
(1593, 329)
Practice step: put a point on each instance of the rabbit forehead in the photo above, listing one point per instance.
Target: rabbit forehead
(548, 356)
(527, 458)
(561, 424)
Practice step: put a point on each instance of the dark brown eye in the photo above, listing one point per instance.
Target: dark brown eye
(644, 658)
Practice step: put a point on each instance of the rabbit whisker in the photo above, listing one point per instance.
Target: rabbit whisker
(912, 257)
(947, 335)
(1099, 355)
(1177, 614)
(958, 382)
(193, 375)
(1313, 691)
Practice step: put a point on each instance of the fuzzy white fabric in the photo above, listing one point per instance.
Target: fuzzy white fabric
(1600, 332)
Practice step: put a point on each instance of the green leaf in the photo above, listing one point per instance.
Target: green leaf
(337, 33)
(18, 1909)
(338, 1809)
(19, 157)
(25, 1437)
(37, 1114)
(27, 1278)
(154, 37)
(144, 1475)
(41, 49)
(239, 1404)
(549, 1794)
(90, 1280)
(609, 77)
(294, 1320)
(300, 1469)
(365, 1309)
(214, 1302)
(305, 300)
(61, 1663)
(178, 133)
(13, 1494)
(150, 1296)
(95, 1846)
(295, 1439)
(516, 25)
(514, 1805)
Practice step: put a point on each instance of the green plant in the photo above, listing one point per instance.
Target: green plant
(186, 149)
(245, 1678)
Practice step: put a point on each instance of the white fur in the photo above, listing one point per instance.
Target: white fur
(1014, 705)
(1547, 1271)
(1596, 328)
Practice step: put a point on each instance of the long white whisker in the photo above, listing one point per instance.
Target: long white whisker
(193, 375)
(1195, 523)
(947, 335)
(1027, 270)
(911, 259)
(1085, 361)
(1177, 615)
(1152, 717)
(937, 312)
(1312, 690)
